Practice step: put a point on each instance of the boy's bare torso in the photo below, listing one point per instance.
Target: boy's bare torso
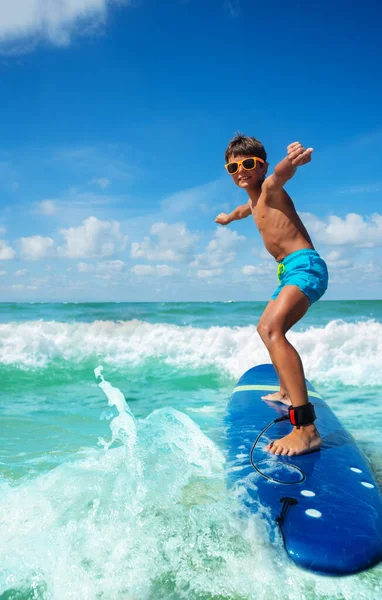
(279, 224)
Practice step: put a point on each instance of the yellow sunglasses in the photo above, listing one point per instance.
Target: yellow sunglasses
(247, 163)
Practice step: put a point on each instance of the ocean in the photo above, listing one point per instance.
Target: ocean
(112, 448)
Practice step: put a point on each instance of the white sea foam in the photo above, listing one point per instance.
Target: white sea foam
(349, 353)
(97, 526)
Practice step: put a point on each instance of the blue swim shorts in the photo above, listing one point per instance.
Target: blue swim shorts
(306, 269)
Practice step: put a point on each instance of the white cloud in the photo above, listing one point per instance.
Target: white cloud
(333, 256)
(197, 197)
(85, 268)
(112, 265)
(334, 260)
(2, 273)
(47, 207)
(205, 273)
(113, 161)
(36, 247)
(3, 230)
(215, 209)
(102, 182)
(6, 252)
(261, 269)
(353, 229)
(143, 270)
(74, 199)
(94, 238)
(53, 20)
(39, 282)
(106, 266)
(173, 243)
(21, 273)
(220, 250)
(161, 270)
(166, 271)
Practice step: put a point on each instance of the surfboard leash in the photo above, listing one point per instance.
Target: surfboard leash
(284, 418)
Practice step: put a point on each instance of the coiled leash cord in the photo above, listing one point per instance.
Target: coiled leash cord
(300, 415)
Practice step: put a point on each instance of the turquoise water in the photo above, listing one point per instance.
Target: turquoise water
(117, 491)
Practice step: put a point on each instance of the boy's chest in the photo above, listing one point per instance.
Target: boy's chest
(261, 216)
(269, 218)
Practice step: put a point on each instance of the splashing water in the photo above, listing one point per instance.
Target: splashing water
(147, 517)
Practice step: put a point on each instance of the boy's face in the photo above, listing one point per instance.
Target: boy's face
(248, 179)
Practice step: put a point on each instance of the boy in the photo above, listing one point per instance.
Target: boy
(303, 276)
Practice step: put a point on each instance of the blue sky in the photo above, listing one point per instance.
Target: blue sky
(114, 120)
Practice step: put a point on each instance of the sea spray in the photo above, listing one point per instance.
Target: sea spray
(153, 520)
(123, 426)
(339, 352)
(98, 527)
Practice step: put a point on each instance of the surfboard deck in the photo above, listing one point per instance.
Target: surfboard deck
(335, 525)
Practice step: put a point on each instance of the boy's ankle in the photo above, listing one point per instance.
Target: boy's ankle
(311, 428)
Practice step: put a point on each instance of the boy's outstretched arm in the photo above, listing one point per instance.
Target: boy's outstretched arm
(241, 212)
(296, 157)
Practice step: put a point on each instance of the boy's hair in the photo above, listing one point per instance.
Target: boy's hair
(245, 146)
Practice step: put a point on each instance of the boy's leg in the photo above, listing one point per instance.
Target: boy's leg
(288, 308)
(282, 395)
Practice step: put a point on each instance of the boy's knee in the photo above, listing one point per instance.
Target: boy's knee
(269, 332)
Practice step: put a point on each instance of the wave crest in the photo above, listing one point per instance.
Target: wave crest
(349, 353)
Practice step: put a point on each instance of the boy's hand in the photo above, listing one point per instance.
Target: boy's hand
(222, 219)
(298, 155)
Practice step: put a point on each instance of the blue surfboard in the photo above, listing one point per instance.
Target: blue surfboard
(331, 522)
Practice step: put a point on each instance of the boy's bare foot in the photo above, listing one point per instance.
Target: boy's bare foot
(278, 397)
(299, 441)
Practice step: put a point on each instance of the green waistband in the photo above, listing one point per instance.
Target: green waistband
(280, 270)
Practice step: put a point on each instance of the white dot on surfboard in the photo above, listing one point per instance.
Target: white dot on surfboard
(366, 484)
(307, 493)
(311, 512)
(355, 470)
